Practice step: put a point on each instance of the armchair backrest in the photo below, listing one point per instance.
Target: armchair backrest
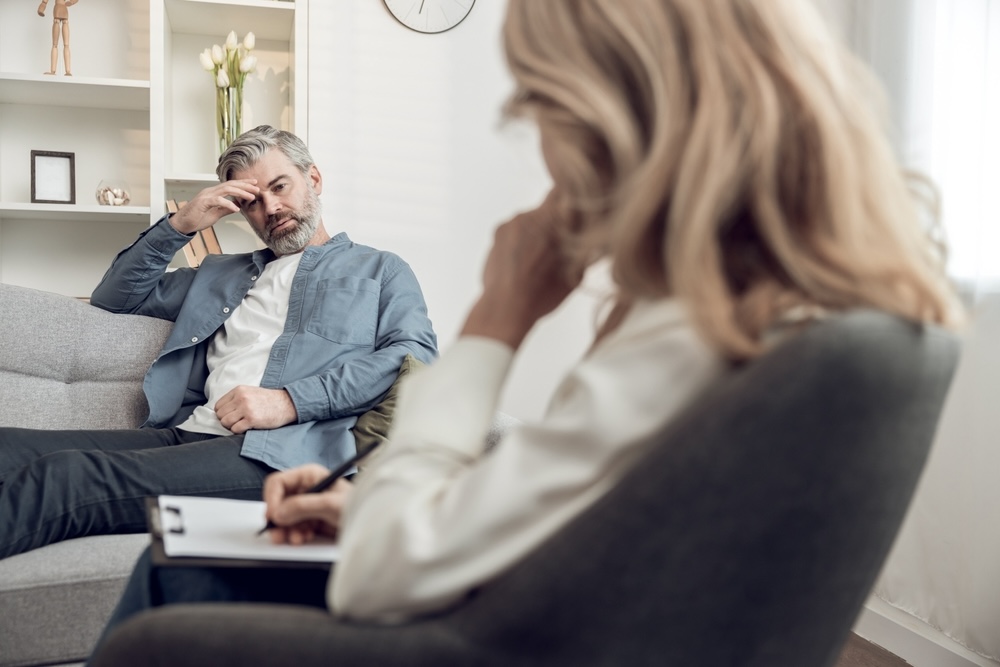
(753, 531)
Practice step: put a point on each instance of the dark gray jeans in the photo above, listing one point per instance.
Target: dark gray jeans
(57, 485)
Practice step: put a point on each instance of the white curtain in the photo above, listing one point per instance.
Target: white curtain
(940, 63)
(962, 109)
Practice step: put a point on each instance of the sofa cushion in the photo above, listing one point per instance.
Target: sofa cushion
(61, 356)
(55, 600)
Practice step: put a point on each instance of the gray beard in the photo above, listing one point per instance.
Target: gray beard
(307, 222)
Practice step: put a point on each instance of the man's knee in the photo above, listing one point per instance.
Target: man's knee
(70, 466)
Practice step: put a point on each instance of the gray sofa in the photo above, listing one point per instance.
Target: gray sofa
(66, 364)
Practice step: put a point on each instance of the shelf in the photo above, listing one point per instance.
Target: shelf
(268, 19)
(140, 111)
(191, 180)
(75, 212)
(74, 91)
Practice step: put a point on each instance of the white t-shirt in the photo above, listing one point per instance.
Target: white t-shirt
(238, 353)
(435, 516)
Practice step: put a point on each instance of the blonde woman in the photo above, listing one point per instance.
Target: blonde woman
(723, 156)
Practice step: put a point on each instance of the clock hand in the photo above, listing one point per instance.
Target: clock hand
(421, 10)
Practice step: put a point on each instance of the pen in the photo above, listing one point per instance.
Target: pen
(330, 479)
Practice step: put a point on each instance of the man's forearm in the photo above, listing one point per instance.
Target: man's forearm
(337, 392)
(138, 269)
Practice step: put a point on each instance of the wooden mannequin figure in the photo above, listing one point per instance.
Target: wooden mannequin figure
(60, 25)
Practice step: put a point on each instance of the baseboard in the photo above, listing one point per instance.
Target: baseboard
(913, 640)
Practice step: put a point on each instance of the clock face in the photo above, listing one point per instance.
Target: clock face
(429, 16)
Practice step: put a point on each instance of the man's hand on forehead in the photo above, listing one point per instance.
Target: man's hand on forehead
(214, 203)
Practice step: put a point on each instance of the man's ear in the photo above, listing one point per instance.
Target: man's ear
(316, 179)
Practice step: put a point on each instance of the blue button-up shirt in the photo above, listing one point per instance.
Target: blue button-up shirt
(354, 313)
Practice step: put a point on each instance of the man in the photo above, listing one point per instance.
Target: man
(272, 356)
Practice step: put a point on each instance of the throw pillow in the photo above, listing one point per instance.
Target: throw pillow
(373, 426)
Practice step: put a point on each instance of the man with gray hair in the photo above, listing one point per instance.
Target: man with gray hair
(272, 356)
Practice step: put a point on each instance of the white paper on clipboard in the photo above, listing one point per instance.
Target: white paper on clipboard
(221, 528)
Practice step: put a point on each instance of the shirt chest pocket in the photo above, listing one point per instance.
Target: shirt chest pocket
(345, 311)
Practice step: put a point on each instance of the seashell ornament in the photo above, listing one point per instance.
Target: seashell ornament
(110, 193)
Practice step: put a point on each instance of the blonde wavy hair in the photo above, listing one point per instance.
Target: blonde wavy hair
(727, 153)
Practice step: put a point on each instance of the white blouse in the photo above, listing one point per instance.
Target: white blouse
(437, 516)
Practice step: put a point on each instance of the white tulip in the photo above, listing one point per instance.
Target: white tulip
(249, 41)
(248, 64)
(206, 60)
(218, 57)
(222, 79)
(231, 42)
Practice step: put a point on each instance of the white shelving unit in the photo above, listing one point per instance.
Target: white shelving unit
(137, 109)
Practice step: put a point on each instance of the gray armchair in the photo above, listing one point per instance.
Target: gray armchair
(749, 535)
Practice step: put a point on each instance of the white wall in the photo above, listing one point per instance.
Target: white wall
(406, 130)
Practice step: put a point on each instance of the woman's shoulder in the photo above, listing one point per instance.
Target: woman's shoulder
(653, 322)
(656, 340)
(640, 374)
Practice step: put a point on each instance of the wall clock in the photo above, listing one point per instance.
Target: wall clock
(429, 16)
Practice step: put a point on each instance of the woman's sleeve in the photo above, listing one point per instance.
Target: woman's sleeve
(439, 431)
(436, 516)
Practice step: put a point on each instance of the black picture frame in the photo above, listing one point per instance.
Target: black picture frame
(53, 177)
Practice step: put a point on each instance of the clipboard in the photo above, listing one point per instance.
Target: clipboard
(192, 531)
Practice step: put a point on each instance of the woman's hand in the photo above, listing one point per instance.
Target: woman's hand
(526, 275)
(301, 516)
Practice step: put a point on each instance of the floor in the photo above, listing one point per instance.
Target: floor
(861, 653)
(857, 653)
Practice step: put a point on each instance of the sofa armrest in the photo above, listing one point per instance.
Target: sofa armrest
(67, 364)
